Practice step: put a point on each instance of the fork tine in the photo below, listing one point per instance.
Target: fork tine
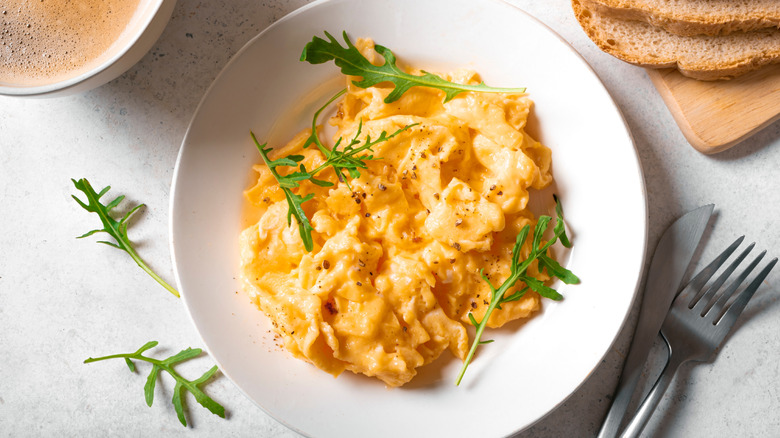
(717, 307)
(697, 283)
(708, 299)
(732, 313)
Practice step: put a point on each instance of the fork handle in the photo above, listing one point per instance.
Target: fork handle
(645, 411)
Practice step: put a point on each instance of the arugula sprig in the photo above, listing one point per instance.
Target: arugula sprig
(348, 159)
(539, 249)
(353, 63)
(115, 228)
(287, 183)
(118, 230)
(182, 384)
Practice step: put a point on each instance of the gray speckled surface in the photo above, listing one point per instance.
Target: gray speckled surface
(63, 300)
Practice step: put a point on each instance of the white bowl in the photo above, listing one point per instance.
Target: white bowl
(142, 32)
(532, 367)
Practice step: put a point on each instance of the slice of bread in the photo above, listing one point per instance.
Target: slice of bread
(694, 17)
(699, 57)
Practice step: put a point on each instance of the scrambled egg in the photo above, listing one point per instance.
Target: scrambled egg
(395, 268)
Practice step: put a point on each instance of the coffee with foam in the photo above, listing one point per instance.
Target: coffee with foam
(45, 41)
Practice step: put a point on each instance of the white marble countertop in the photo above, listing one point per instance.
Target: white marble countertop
(63, 300)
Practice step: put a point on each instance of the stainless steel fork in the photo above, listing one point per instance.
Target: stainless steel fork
(698, 321)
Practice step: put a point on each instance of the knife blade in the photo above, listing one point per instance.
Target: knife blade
(670, 261)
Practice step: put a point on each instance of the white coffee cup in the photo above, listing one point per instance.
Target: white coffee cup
(142, 31)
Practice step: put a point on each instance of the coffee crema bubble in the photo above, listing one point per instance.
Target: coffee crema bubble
(45, 41)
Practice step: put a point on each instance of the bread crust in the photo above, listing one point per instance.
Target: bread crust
(653, 47)
(712, 17)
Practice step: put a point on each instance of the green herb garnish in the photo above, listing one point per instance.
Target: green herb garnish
(347, 159)
(353, 63)
(518, 273)
(116, 229)
(182, 384)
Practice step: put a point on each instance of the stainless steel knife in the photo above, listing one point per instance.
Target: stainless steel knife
(670, 261)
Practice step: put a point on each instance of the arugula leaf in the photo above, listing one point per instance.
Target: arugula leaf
(287, 183)
(501, 294)
(182, 384)
(115, 228)
(353, 63)
(347, 159)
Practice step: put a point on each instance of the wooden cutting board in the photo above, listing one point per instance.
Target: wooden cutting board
(715, 116)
